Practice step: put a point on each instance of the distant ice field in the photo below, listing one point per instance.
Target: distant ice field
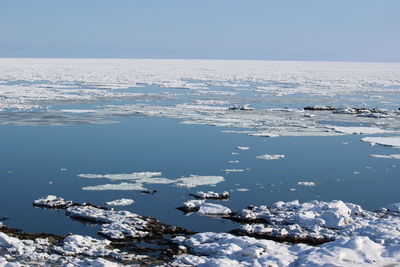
(99, 130)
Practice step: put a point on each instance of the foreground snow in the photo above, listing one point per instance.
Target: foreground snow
(223, 249)
(73, 250)
(348, 236)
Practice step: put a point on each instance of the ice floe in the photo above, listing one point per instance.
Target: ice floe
(52, 201)
(211, 195)
(385, 141)
(213, 209)
(197, 180)
(243, 147)
(358, 130)
(270, 157)
(115, 187)
(391, 156)
(234, 170)
(120, 202)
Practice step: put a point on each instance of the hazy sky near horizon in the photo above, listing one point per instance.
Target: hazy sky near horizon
(339, 30)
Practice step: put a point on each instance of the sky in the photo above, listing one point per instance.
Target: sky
(333, 30)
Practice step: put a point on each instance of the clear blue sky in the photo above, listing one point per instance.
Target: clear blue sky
(348, 30)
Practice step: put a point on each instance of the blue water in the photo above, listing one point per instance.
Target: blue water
(31, 157)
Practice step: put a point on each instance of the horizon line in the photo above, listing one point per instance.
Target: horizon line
(213, 59)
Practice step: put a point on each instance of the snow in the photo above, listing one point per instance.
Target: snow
(213, 209)
(358, 130)
(270, 157)
(120, 202)
(394, 207)
(196, 180)
(385, 141)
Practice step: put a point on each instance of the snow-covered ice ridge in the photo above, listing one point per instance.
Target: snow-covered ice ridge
(353, 237)
(73, 250)
(223, 249)
(319, 221)
(350, 236)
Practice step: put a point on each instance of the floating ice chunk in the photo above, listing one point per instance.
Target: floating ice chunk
(52, 202)
(242, 189)
(211, 195)
(385, 141)
(116, 187)
(191, 205)
(270, 157)
(196, 180)
(243, 147)
(392, 156)
(306, 183)
(263, 134)
(213, 209)
(63, 169)
(120, 202)
(234, 161)
(123, 176)
(234, 170)
(78, 110)
(358, 130)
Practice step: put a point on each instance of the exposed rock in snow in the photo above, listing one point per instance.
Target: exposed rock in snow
(196, 180)
(213, 209)
(385, 141)
(120, 202)
(319, 108)
(270, 157)
(211, 195)
(191, 205)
